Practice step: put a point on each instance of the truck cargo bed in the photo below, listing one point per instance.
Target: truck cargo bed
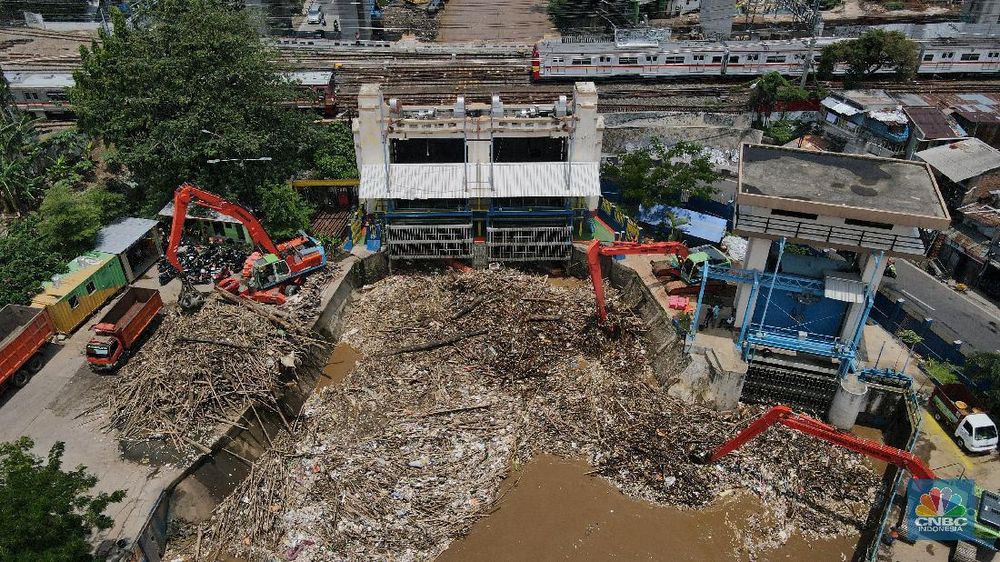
(13, 317)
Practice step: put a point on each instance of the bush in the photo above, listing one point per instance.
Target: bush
(26, 260)
(284, 211)
(782, 131)
(943, 371)
(893, 6)
(70, 221)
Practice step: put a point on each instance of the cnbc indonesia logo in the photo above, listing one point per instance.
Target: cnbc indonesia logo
(941, 510)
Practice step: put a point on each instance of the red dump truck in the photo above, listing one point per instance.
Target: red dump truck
(957, 410)
(122, 327)
(23, 331)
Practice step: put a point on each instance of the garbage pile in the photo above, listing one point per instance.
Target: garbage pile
(403, 17)
(199, 372)
(204, 264)
(465, 377)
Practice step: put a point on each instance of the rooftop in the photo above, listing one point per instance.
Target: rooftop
(121, 235)
(840, 185)
(962, 160)
(39, 79)
(80, 269)
(981, 213)
(933, 123)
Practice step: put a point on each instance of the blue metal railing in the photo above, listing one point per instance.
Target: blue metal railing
(782, 281)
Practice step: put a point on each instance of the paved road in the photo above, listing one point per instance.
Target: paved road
(974, 323)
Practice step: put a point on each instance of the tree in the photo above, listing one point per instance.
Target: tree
(656, 174)
(676, 222)
(770, 89)
(984, 371)
(20, 186)
(48, 514)
(334, 155)
(284, 211)
(194, 83)
(873, 51)
(70, 220)
(26, 260)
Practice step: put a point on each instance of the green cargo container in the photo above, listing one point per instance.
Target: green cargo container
(72, 297)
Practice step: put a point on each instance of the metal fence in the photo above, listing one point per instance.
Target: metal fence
(426, 241)
(530, 243)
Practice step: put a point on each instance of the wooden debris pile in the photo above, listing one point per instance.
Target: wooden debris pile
(465, 377)
(199, 372)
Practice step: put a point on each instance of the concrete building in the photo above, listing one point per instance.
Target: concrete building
(981, 11)
(865, 122)
(485, 180)
(967, 170)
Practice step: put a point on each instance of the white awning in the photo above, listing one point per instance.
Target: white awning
(837, 106)
(841, 288)
(462, 181)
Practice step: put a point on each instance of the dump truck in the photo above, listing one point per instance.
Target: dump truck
(961, 414)
(23, 332)
(121, 328)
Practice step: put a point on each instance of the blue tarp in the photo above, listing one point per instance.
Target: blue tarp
(699, 225)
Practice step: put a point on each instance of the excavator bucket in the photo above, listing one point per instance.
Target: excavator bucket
(190, 299)
(701, 457)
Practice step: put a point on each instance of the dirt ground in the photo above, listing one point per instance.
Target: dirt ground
(523, 21)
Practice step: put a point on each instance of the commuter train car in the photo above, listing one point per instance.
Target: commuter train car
(556, 59)
(44, 93)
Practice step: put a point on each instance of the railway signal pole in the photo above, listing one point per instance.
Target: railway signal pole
(807, 64)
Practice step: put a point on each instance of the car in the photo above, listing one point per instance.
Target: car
(315, 14)
(434, 5)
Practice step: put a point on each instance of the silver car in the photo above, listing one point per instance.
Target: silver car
(315, 14)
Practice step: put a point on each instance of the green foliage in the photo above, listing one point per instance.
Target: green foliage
(943, 371)
(284, 211)
(110, 205)
(48, 514)
(656, 174)
(984, 369)
(770, 89)
(20, 186)
(909, 337)
(892, 6)
(70, 220)
(195, 83)
(334, 156)
(874, 50)
(569, 14)
(782, 130)
(26, 260)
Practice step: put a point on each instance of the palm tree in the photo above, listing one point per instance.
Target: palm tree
(19, 183)
(675, 223)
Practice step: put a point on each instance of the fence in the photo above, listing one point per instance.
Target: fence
(429, 241)
(893, 316)
(530, 243)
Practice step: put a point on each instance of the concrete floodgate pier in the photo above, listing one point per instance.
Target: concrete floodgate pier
(636, 443)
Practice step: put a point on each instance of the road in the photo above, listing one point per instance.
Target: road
(975, 323)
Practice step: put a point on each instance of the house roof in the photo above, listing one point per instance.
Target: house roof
(980, 213)
(932, 123)
(840, 107)
(962, 160)
(80, 269)
(121, 235)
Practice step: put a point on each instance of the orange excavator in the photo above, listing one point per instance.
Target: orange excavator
(596, 250)
(986, 515)
(269, 275)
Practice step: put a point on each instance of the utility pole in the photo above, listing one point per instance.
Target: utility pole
(807, 64)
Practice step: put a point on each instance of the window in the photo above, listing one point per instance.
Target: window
(796, 214)
(967, 427)
(56, 96)
(650, 58)
(993, 55)
(557, 60)
(73, 301)
(928, 57)
(986, 433)
(970, 56)
(673, 60)
(698, 57)
(91, 287)
(733, 59)
(754, 57)
(605, 59)
(581, 61)
(628, 60)
(716, 59)
(775, 59)
(868, 224)
(947, 55)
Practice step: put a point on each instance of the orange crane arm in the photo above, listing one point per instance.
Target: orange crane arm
(189, 193)
(812, 426)
(596, 250)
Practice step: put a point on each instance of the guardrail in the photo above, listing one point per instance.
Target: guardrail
(831, 234)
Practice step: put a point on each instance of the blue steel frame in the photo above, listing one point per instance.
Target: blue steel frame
(783, 338)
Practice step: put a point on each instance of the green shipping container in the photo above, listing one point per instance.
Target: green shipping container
(92, 280)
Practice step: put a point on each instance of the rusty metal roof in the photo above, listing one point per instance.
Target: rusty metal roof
(933, 123)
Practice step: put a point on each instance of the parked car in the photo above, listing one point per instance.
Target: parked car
(315, 14)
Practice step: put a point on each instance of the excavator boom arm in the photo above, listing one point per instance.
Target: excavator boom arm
(596, 250)
(811, 426)
(187, 194)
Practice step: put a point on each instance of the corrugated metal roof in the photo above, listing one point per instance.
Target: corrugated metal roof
(80, 269)
(121, 235)
(933, 123)
(841, 287)
(460, 181)
(962, 160)
(837, 106)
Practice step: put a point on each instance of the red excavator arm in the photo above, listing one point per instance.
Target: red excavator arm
(596, 250)
(189, 193)
(812, 426)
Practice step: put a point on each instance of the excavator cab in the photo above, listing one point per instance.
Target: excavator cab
(269, 270)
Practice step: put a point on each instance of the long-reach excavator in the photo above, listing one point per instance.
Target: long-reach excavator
(267, 277)
(596, 250)
(986, 517)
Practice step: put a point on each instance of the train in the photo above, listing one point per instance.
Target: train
(574, 59)
(43, 93)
